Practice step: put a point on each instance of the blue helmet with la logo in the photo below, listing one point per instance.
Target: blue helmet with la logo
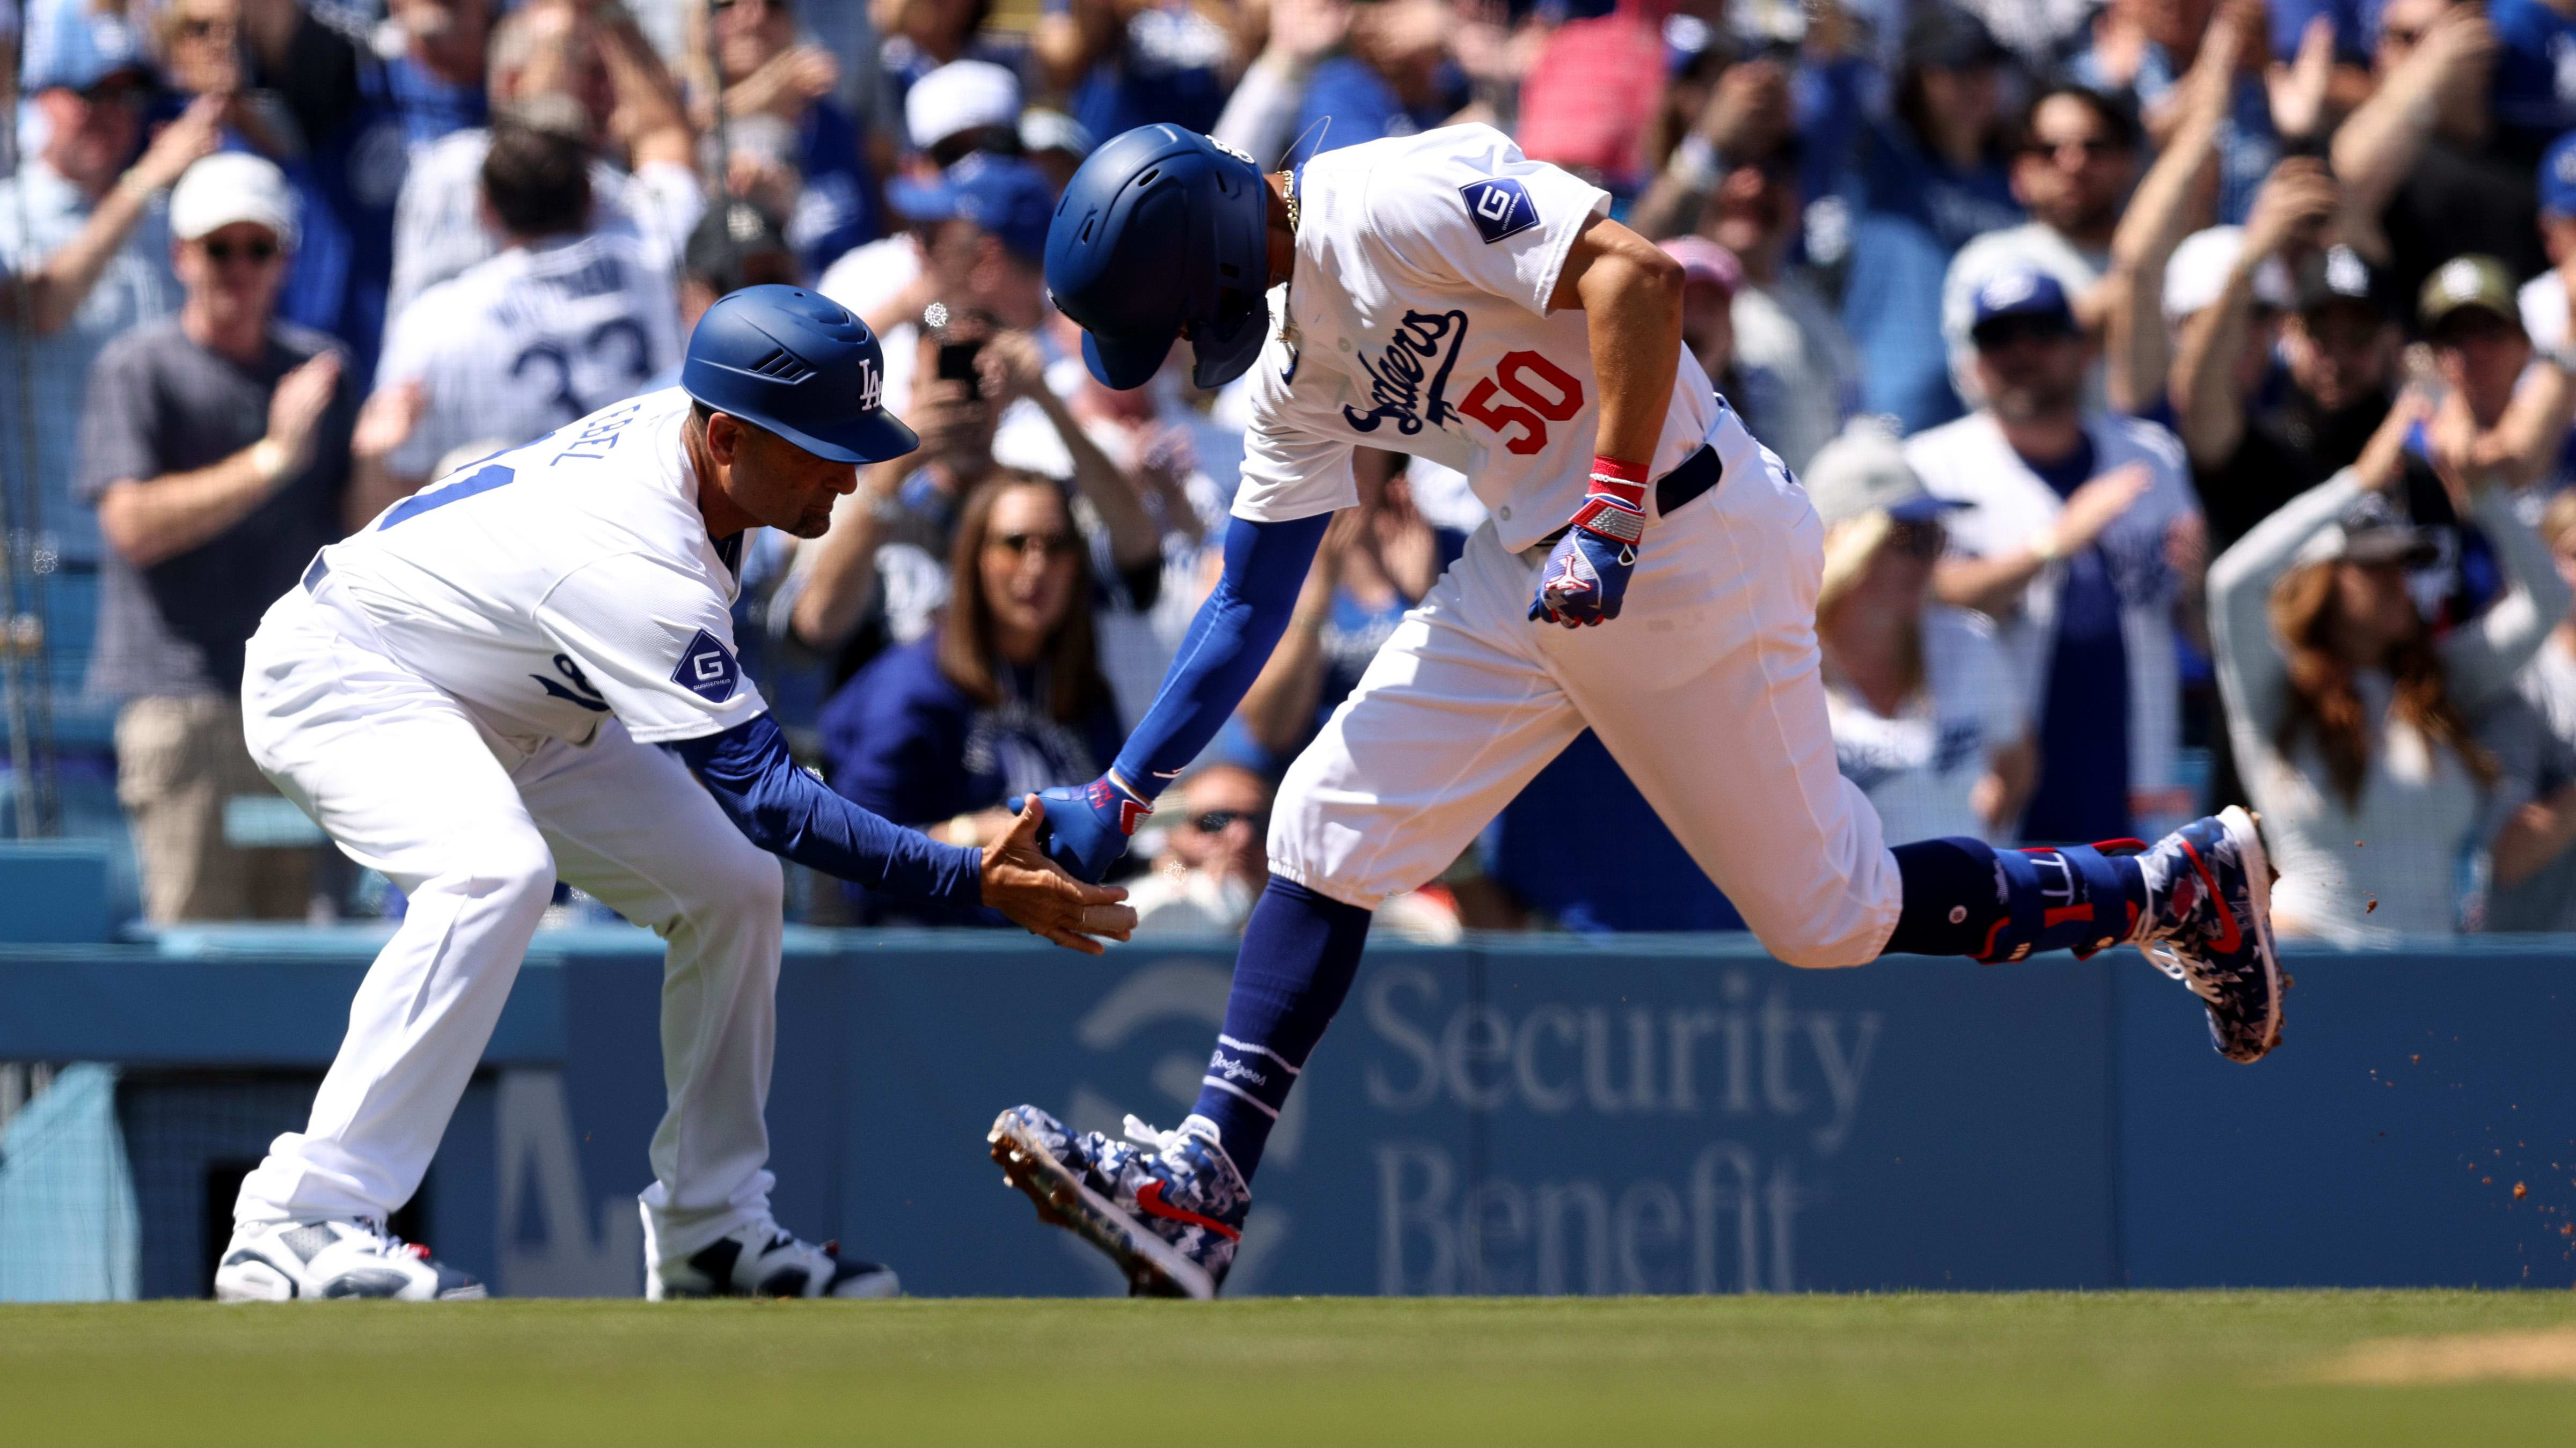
(1163, 234)
(797, 363)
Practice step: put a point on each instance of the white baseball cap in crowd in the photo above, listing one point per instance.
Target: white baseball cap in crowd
(1862, 471)
(960, 96)
(2198, 273)
(229, 187)
(1043, 130)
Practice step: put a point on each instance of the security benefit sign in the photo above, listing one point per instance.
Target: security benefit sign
(1599, 1122)
(1552, 1117)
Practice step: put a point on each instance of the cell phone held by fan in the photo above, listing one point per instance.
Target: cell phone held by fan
(956, 363)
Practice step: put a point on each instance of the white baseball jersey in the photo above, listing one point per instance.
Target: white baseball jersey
(1416, 320)
(439, 233)
(528, 341)
(1968, 461)
(1919, 765)
(555, 584)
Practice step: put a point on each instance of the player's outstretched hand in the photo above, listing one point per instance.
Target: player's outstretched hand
(1089, 828)
(1036, 893)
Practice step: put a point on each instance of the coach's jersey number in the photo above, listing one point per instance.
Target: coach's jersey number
(624, 334)
(1549, 394)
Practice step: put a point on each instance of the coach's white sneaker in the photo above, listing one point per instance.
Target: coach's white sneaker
(346, 1257)
(761, 1261)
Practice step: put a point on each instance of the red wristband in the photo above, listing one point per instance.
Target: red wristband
(1621, 480)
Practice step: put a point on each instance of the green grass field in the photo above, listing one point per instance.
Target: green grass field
(2254, 1368)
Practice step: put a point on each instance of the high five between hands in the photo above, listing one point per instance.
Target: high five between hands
(1039, 895)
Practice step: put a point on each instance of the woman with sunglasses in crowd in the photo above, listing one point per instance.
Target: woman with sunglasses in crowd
(1004, 697)
(1925, 714)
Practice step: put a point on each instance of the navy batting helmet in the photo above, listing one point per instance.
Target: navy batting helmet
(801, 366)
(1163, 234)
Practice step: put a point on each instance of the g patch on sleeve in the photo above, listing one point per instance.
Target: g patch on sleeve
(1500, 207)
(707, 669)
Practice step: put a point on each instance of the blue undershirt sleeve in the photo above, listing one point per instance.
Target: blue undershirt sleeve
(788, 812)
(1229, 641)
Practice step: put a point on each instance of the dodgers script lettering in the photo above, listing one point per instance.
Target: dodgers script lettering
(1396, 378)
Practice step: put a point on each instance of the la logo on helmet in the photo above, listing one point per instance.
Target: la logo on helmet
(871, 386)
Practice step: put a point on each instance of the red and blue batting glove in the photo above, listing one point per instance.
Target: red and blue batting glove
(1586, 577)
(1086, 829)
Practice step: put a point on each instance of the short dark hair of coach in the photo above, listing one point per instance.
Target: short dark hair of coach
(536, 182)
(215, 446)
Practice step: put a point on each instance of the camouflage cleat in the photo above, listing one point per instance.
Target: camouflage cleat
(2209, 925)
(1166, 1206)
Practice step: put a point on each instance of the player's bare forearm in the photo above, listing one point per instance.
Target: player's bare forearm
(1630, 293)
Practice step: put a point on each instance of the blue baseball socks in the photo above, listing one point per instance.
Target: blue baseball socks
(1964, 897)
(1300, 953)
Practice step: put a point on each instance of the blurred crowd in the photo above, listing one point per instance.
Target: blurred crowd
(2185, 385)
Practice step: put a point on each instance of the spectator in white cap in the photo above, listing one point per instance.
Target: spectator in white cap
(1926, 716)
(215, 447)
(963, 106)
(2226, 292)
(1056, 142)
(960, 109)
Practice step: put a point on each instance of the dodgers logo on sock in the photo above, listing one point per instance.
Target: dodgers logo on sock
(707, 669)
(1500, 207)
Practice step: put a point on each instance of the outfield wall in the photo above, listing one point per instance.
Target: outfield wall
(1620, 1114)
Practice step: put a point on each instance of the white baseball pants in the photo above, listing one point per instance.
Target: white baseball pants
(1705, 689)
(476, 830)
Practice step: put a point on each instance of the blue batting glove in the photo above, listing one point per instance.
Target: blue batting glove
(1586, 577)
(1086, 829)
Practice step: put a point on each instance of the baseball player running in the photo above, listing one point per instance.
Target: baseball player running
(1448, 298)
(469, 694)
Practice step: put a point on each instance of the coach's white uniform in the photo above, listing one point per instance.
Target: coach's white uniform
(467, 695)
(1416, 319)
(528, 341)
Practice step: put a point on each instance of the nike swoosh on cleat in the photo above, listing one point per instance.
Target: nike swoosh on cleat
(1150, 1198)
(2230, 940)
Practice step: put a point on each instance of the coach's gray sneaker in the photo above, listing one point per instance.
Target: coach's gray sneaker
(341, 1257)
(761, 1261)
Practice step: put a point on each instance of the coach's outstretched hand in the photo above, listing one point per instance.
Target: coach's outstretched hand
(1090, 826)
(1035, 892)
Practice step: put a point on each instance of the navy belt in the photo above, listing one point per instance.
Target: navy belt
(1674, 491)
(1697, 474)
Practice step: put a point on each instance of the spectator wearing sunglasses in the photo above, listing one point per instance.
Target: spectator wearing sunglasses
(216, 450)
(1926, 716)
(2082, 543)
(1004, 698)
(1212, 864)
(2077, 162)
